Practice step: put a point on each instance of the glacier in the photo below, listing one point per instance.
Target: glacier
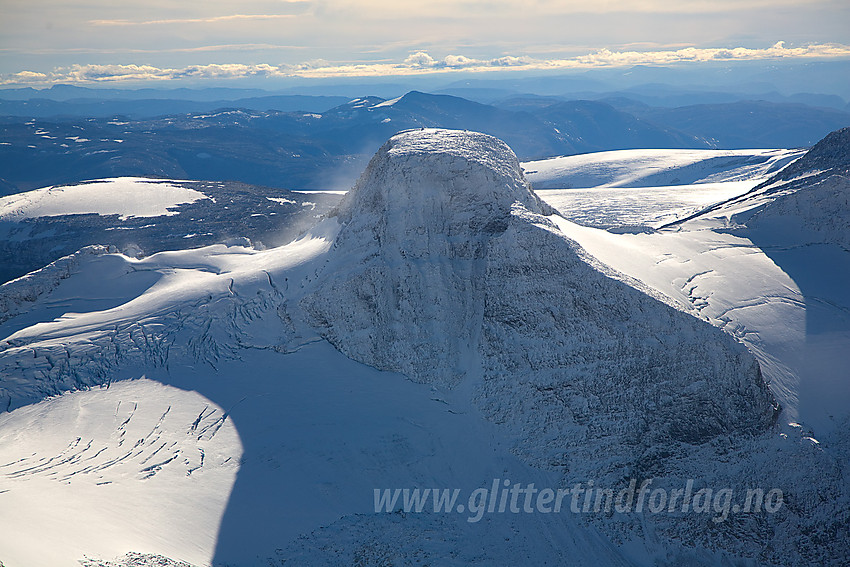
(443, 326)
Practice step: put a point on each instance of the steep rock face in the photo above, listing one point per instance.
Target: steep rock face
(447, 269)
(589, 366)
(409, 293)
(832, 155)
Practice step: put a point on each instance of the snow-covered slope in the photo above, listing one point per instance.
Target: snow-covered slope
(528, 360)
(766, 265)
(643, 189)
(799, 219)
(317, 432)
(655, 168)
(142, 216)
(806, 203)
(138, 466)
(772, 268)
(125, 197)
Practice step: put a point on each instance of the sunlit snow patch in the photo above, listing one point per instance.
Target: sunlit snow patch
(124, 196)
(151, 468)
(653, 168)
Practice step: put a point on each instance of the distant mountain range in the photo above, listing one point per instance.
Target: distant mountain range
(324, 145)
(816, 83)
(597, 126)
(93, 107)
(749, 124)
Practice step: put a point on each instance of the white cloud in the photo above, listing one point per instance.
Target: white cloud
(84, 74)
(607, 58)
(459, 61)
(510, 61)
(417, 63)
(420, 59)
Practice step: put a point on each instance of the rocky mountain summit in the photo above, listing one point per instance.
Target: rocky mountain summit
(447, 269)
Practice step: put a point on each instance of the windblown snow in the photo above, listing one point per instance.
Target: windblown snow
(443, 327)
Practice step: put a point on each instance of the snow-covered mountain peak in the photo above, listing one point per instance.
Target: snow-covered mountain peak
(444, 179)
(447, 269)
(411, 253)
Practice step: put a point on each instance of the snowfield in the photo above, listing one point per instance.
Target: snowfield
(139, 465)
(734, 284)
(649, 188)
(141, 216)
(654, 168)
(769, 266)
(316, 431)
(124, 196)
(636, 207)
(441, 328)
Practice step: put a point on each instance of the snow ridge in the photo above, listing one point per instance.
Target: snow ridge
(20, 293)
(832, 155)
(811, 195)
(808, 199)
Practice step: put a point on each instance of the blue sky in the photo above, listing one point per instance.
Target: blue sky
(48, 41)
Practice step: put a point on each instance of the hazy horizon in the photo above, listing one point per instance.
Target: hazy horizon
(267, 42)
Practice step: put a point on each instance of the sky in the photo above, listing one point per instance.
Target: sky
(44, 42)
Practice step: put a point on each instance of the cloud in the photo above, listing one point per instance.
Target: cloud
(417, 63)
(608, 58)
(25, 77)
(510, 61)
(419, 59)
(122, 73)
